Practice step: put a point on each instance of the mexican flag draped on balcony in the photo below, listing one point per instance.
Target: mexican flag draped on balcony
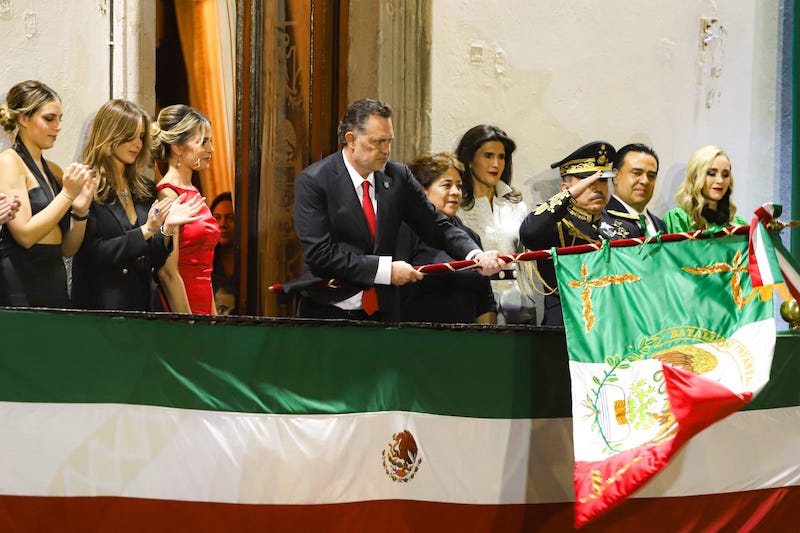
(664, 339)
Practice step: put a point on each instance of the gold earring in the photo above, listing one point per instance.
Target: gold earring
(178, 164)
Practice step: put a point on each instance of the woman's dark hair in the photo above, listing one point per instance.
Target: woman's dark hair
(469, 144)
(221, 197)
(428, 167)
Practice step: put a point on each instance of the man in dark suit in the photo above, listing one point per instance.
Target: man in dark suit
(626, 215)
(347, 213)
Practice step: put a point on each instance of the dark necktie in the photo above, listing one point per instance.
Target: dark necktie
(369, 300)
(643, 224)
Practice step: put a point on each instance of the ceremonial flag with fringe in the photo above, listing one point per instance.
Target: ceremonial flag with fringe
(664, 340)
(770, 262)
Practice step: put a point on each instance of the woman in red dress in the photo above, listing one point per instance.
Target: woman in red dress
(182, 144)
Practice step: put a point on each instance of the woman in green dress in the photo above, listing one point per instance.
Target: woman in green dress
(704, 197)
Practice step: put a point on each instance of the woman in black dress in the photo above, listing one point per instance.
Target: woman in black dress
(458, 297)
(128, 231)
(52, 203)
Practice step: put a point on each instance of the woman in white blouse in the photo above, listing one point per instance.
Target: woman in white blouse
(495, 210)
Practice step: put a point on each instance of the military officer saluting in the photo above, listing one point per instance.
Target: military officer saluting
(571, 217)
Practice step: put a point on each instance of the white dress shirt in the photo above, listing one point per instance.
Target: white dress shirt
(648, 219)
(384, 274)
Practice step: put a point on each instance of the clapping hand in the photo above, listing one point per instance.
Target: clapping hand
(182, 212)
(81, 203)
(158, 214)
(8, 208)
(74, 180)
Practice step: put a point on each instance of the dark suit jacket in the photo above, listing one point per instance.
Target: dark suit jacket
(617, 223)
(115, 265)
(335, 238)
(451, 298)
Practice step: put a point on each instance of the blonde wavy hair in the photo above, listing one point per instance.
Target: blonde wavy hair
(23, 100)
(119, 121)
(689, 195)
(175, 126)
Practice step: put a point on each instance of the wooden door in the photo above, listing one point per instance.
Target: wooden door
(290, 93)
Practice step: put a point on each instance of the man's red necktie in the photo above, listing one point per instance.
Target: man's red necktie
(369, 300)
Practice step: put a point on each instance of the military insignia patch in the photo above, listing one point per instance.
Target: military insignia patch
(607, 230)
(620, 230)
(626, 406)
(401, 457)
(602, 155)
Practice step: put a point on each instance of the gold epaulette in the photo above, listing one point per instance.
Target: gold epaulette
(579, 213)
(554, 202)
(623, 215)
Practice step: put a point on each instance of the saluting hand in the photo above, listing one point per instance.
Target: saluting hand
(580, 186)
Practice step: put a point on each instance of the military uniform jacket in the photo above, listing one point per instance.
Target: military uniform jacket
(558, 222)
(617, 223)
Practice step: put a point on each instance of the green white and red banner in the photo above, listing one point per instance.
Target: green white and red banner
(664, 340)
(126, 424)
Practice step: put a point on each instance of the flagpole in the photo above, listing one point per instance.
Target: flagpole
(466, 264)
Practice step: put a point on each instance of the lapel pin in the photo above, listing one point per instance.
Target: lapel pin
(385, 184)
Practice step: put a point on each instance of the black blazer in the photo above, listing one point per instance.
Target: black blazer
(617, 223)
(333, 232)
(451, 298)
(115, 265)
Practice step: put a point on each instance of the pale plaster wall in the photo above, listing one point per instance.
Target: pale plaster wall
(68, 49)
(569, 72)
(572, 72)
